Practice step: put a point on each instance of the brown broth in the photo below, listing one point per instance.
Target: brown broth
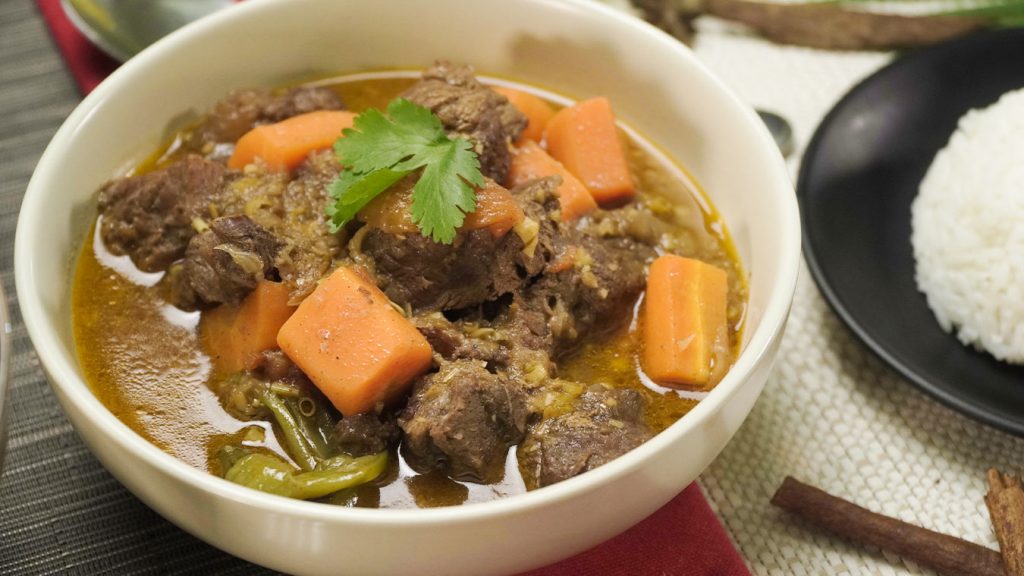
(143, 359)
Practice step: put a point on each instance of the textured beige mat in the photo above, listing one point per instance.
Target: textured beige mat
(832, 414)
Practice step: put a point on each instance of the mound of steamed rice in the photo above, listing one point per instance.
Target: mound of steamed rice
(968, 230)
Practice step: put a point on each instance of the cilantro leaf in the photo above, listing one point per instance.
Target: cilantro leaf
(351, 192)
(376, 141)
(382, 148)
(444, 185)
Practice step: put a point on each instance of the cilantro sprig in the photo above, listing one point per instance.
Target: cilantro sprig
(381, 149)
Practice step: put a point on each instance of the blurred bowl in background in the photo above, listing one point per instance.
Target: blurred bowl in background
(123, 28)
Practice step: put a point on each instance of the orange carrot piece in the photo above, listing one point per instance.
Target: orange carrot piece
(684, 321)
(352, 343)
(584, 138)
(234, 335)
(285, 144)
(536, 110)
(391, 211)
(496, 210)
(530, 161)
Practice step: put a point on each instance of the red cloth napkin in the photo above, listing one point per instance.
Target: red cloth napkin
(683, 538)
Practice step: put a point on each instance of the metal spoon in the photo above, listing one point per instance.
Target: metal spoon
(780, 130)
(122, 28)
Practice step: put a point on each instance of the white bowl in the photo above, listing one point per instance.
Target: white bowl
(578, 48)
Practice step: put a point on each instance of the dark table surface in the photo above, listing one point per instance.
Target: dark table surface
(60, 511)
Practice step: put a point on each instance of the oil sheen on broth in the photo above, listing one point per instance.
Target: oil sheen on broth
(143, 359)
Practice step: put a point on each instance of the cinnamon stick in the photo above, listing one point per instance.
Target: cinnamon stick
(670, 17)
(946, 554)
(1005, 502)
(832, 27)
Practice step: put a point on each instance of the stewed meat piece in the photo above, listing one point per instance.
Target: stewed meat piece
(309, 247)
(604, 424)
(413, 269)
(224, 263)
(291, 207)
(243, 110)
(460, 340)
(150, 217)
(464, 419)
(594, 292)
(301, 100)
(475, 268)
(468, 108)
(366, 433)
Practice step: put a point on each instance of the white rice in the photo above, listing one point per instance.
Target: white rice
(968, 230)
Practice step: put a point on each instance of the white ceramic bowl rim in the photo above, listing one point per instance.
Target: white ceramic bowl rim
(64, 375)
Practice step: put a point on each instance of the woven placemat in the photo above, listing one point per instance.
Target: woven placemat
(832, 414)
(60, 511)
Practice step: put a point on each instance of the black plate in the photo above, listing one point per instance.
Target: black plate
(859, 175)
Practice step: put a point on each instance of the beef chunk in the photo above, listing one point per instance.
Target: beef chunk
(300, 100)
(291, 206)
(464, 419)
(589, 280)
(527, 345)
(230, 118)
(468, 108)
(309, 247)
(505, 345)
(457, 341)
(595, 292)
(224, 263)
(605, 424)
(538, 199)
(366, 433)
(275, 365)
(242, 110)
(149, 217)
(413, 269)
(475, 268)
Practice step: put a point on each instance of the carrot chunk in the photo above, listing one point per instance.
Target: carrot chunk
(684, 334)
(530, 161)
(285, 144)
(496, 210)
(584, 138)
(234, 334)
(536, 110)
(355, 347)
(391, 211)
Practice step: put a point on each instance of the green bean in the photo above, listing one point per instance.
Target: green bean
(347, 498)
(305, 436)
(285, 390)
(272, 474)
(229, 455)
(297, 444)
(316, 427)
